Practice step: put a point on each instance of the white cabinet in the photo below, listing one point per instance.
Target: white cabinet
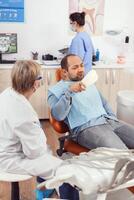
(108, 84)
(39, 98)
(5, 79)
(126, 80)
(50, 80)
(111, 81)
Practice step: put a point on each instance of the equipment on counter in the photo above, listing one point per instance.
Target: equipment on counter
(48, 57)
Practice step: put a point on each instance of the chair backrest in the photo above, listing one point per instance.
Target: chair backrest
(58, 126)
(58, 74)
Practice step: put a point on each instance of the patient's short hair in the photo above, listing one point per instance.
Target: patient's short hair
(24, 74)
(64, 61)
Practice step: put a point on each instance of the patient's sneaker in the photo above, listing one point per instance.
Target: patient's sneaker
(41, 194)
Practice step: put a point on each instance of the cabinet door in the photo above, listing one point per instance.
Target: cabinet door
(126, 80)
(103, 82)
(108, 85)
(50, 80)
(114, 88)
(5, 79)
(38, 99)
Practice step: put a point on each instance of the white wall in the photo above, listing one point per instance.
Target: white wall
(44, 29)
(118, 15)
(46, 25)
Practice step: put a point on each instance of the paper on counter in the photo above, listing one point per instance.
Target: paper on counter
(90, 78)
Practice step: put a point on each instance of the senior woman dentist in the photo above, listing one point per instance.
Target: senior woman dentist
(23, 148)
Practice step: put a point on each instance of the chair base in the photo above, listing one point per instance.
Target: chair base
(68, 145)
(14, 179)
(15, 193)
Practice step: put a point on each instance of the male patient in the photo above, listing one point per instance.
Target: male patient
(89, 117)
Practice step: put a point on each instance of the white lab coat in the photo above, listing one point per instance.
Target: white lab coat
(23, 147)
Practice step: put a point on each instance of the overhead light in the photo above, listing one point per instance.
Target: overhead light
(113, 32)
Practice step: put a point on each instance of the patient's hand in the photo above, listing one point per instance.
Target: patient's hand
(77, 87)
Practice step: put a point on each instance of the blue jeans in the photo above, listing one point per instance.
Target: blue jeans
(114, 134)
(66, 191)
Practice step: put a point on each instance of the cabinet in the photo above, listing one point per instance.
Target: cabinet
(126, 79)
(50, 80)
(39, 98)
(108, 85)
(111, 81)
(5, 79)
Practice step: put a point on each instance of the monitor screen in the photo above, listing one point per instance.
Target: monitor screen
(8, 43)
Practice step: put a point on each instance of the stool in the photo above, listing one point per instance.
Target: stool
(14, 179)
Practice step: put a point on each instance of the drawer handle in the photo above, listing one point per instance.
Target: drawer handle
(48, 78)
(113, 76)
(107, 76)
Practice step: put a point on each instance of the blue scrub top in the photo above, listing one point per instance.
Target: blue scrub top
(82, 46)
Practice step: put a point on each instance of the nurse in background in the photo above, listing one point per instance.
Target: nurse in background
(23, 145)
(81, 44)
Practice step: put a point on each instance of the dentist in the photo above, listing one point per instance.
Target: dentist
(23, 147)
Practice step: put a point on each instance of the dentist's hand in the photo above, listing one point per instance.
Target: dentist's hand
(77, 87)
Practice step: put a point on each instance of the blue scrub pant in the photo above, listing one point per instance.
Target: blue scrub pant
(66, 191)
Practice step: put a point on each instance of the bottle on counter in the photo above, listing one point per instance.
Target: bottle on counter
(121, 58)
(97, 55)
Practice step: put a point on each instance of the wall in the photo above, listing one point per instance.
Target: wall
(44, 29)
(46, 26)
(118, 16)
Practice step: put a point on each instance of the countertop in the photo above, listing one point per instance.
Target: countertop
(100, 64)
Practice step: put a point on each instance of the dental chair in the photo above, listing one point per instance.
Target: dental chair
(66, 144)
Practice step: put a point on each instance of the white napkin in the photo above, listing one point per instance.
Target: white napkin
(90, 78)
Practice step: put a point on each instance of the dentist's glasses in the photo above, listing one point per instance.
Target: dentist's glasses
(41, 78)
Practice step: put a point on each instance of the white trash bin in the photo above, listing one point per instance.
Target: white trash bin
(125, 106)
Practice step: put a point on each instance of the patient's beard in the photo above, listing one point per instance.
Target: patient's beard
(76, 78)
